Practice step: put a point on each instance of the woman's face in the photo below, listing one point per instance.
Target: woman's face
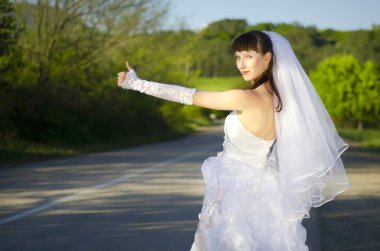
(251, 64)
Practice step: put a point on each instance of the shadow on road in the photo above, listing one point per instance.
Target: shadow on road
(352, 221)
(351, 224)
(138, 222)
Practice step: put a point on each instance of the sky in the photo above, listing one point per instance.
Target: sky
(334, 14)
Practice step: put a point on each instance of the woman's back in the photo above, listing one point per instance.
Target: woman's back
(259, 118)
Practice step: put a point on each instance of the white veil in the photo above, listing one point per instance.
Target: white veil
(308, 148)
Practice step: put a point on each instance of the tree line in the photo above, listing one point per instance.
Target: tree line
(59, 59)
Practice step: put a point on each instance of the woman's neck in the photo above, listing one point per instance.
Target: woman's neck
(264, 89)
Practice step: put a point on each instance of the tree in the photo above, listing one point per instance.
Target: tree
(8, 37)
(9, 63)
(63, 93)
(213, 50)
(225, 29)
(348, 89)
(368, 104)
(7, 26)
(78, 33)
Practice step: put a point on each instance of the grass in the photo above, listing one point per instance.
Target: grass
(369, 138)
(219, 84)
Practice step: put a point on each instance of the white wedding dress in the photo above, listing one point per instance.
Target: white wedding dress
(242, 201)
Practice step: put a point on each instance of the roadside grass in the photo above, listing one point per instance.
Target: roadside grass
(218, 83)
(369, 138)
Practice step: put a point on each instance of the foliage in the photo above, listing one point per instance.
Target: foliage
(9, 63)
(225, 29)
(349, 90)
(64, 92)
(310, 44)
(213, 48)
(8, 27)
(9, 33)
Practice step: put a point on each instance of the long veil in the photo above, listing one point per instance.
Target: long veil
(308, 148)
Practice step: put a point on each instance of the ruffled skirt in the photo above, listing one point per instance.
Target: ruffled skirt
(242, 210)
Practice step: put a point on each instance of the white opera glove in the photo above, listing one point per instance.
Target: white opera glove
(169, 92)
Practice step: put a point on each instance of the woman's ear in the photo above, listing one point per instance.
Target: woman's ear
(267, 59)
(268, 56)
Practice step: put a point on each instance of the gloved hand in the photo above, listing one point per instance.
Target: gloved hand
(129, 80)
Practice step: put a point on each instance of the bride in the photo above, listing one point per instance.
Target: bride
(281, 153)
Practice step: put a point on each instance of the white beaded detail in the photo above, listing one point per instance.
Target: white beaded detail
(165, 91)
(187, 98)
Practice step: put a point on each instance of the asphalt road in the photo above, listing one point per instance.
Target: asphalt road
(352, 221)
(143, 198)
(148, 198)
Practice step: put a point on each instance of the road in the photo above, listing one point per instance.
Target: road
(352, 221)
(143, 198)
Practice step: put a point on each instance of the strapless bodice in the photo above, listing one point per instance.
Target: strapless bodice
(242, 145)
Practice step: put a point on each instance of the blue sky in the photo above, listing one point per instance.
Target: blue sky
(335, 14)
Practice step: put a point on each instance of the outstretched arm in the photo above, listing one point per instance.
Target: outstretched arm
(226, 100)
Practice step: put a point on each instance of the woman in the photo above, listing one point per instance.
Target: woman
(281, 154)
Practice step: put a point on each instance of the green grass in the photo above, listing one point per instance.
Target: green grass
(21, 151)
(219, 84)
(369, 138)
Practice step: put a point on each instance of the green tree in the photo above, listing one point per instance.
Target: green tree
(8, 39)
(66, 91)
(368, 104)
(79, 33)
(225, 29)
(348, 89)
(213, 50)
(9, 64)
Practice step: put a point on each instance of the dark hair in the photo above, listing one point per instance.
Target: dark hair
(261, 43)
